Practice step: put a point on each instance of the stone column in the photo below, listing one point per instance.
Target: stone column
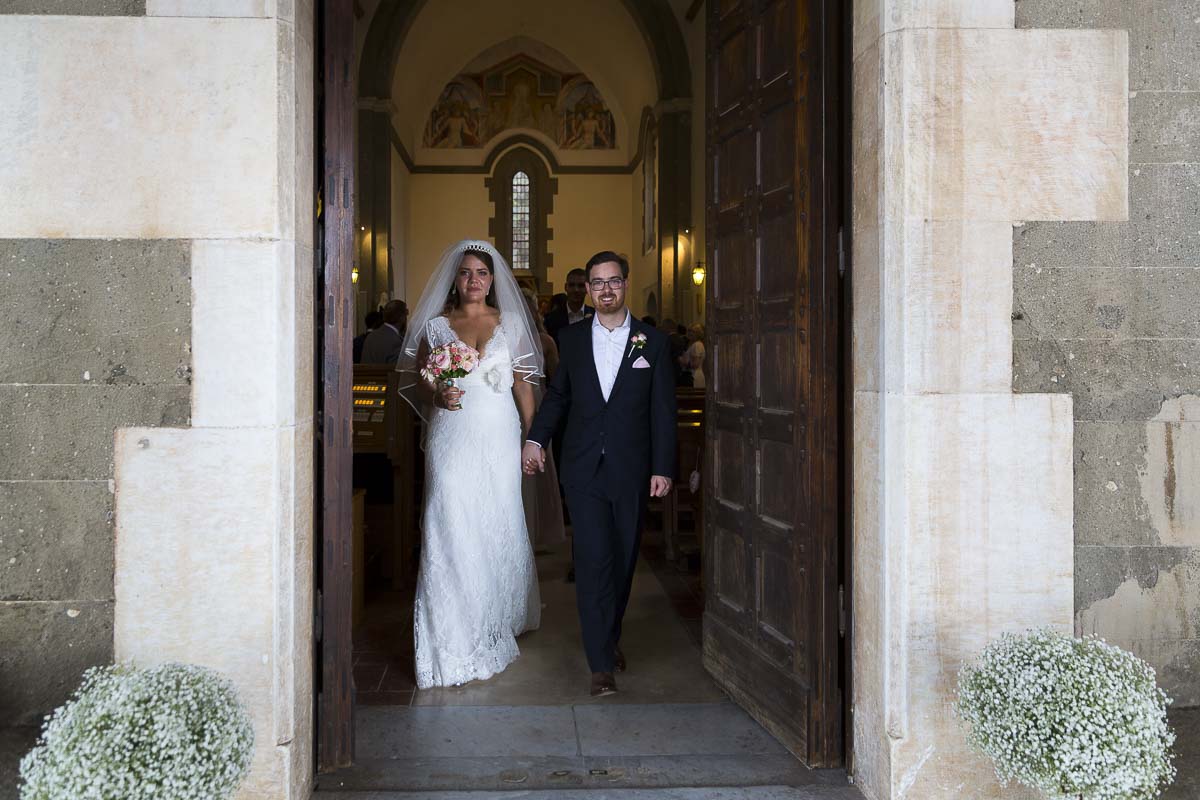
(374, 208)
(674, 207)
(191, 124)
(962, 519)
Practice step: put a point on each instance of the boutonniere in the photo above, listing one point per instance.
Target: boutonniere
(636, 342)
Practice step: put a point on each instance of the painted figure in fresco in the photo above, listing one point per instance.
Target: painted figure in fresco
(520, 113)
(454, 121)
(465, 117)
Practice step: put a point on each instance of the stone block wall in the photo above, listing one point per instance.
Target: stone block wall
(962, 518)
(156, 354)
(1110, 313)
(94, 335)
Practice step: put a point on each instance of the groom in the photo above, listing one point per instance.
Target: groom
(615, 385)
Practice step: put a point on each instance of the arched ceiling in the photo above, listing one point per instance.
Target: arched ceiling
(631, 49)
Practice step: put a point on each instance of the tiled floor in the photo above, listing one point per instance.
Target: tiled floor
(534, 727)
(664, 656)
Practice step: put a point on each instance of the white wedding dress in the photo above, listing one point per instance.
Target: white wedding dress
(477, 588)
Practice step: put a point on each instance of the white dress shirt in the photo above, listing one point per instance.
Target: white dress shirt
(608, 349)
(576, 316)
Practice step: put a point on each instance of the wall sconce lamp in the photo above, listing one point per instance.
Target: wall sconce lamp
(354, 274)
(698, 273)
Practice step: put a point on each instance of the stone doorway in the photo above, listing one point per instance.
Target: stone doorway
(672, 725)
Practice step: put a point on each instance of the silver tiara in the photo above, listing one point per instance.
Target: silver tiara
(467, 245)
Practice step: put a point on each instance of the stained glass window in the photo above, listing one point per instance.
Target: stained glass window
(522, 221)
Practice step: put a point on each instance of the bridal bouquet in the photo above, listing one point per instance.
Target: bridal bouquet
(448, 362)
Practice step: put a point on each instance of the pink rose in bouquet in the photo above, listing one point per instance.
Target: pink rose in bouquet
(449, 362)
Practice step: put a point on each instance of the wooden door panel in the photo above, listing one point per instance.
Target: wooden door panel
(766, 635)
(779, 41)
(731, 478)
(734, 250)
(735, 169)
(732, 575)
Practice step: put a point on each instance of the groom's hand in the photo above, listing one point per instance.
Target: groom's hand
(533, 459)
(659, 486)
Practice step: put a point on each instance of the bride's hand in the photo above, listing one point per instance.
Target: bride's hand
(449, 398)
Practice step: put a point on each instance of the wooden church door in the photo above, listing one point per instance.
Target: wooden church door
(773, 514)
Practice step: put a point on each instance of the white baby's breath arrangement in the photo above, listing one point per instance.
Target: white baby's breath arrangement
(170, 732)
(1074, 718)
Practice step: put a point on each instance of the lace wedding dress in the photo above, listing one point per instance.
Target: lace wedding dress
(477, 588)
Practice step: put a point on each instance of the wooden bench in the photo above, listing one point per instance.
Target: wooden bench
(690, 453)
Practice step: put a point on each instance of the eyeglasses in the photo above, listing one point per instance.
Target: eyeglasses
(612, 283)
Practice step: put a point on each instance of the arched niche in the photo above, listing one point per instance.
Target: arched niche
(523, 160)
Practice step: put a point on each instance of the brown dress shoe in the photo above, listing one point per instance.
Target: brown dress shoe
(619, 660)
(603, 684)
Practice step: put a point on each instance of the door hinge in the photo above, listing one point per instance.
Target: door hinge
(841, 251)
(319, 617)
(841, 610)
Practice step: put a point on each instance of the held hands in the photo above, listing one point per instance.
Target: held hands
(533, 459)
(449, 398)
(660, 486)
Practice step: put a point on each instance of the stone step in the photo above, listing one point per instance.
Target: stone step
(690, 793)
(578, 773)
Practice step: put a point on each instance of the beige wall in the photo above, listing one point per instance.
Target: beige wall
(591, 213)
(443, 210)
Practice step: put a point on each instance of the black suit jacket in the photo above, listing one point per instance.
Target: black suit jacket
(558, 319)
(634, 430)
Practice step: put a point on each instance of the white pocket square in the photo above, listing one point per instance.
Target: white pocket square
(641, 363)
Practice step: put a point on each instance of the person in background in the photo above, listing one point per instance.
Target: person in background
(383, 345)
(651, 321)
(542, 495)
(693, 359)
(679, 346)
(374, 320)
(575, 309)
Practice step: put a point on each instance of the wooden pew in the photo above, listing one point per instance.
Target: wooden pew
(385, 424)
(690, 450)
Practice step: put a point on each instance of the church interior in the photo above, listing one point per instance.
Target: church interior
(553, 130)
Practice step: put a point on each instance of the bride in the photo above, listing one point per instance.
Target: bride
(477, 586)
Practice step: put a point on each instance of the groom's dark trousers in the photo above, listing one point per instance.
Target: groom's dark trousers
(610, 449)
(607, 516)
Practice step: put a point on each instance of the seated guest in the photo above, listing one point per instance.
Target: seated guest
(374, 320)
(574, 311)
(383, 345)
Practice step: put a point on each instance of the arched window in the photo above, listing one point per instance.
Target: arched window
(522, 210)
(522, 195)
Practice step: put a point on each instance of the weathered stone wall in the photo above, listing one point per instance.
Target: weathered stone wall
(156, 354)
(962, 518)
(75, 363)
(94, 336)
(1110, 312)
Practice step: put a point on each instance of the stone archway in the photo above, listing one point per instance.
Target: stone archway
(654, 18)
